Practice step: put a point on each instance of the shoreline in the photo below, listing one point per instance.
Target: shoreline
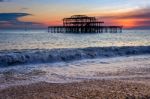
(130, 79)
(89, 89)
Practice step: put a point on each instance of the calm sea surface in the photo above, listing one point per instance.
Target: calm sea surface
(41, 39)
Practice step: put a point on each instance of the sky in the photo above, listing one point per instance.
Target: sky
(132, 14)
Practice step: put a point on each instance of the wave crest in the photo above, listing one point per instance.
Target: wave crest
(8, 58)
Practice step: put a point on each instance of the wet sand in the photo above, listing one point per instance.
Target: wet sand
(89, 89)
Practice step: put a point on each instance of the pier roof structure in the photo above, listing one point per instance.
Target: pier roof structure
(81, 20)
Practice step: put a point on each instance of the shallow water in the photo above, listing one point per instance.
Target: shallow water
(129, 68)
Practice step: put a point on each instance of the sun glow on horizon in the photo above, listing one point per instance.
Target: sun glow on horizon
(126, 23)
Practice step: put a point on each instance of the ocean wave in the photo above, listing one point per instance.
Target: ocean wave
(9, 58)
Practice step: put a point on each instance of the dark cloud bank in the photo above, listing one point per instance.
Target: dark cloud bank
(3, 0)
(11, 16)
(11, 20)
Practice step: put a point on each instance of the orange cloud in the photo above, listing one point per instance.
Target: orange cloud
(127, 23)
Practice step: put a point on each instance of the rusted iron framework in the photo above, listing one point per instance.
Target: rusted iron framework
(83, 24)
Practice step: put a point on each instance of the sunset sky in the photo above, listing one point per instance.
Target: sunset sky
(41, 13)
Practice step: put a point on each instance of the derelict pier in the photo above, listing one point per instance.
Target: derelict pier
(83, 24)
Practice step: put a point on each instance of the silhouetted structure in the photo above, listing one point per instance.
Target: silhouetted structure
(83, 24)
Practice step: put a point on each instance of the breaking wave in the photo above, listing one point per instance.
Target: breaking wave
(14, 57)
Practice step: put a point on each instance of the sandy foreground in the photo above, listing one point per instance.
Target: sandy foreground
(132, 82)
(91, 89)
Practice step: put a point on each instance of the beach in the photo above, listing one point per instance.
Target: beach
(74, 49)
(111, 81)
(39, 65)
(91, 89)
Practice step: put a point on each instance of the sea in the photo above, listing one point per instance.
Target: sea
(28, 56)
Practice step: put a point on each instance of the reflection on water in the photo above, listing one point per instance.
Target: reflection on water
(41, 39)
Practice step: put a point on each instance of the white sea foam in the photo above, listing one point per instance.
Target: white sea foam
(131, 67)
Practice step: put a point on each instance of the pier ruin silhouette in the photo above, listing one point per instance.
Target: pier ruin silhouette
(83, 24)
